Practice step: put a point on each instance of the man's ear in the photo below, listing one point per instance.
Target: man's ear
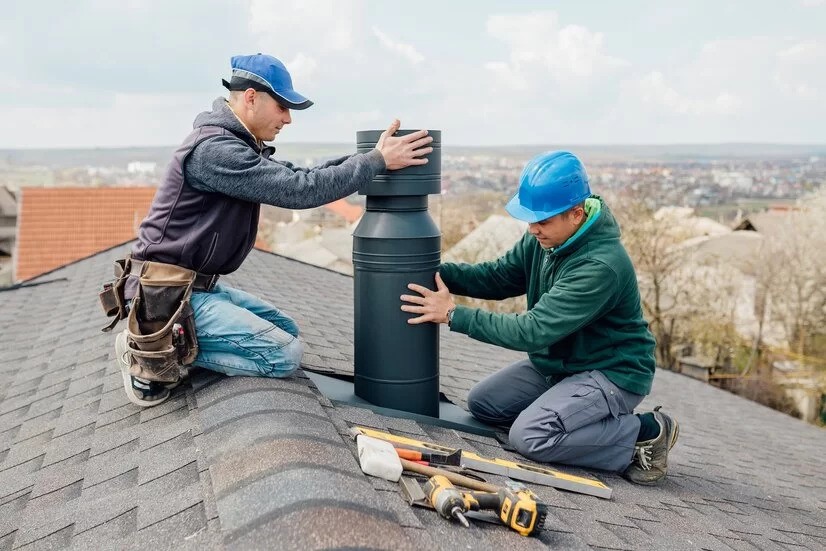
(577, 215)
(249, 97)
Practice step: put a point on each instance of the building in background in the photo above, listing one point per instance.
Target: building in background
(8, 231)
(61, 225)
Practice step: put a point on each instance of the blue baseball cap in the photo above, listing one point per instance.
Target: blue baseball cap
(264, 73)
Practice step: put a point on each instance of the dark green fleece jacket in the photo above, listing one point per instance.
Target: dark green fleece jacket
(584, 308)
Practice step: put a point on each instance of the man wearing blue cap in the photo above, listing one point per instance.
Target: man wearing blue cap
(590, 353)
(203, 223)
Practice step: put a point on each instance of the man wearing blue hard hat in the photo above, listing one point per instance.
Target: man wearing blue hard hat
(203, 223)
(590, 353)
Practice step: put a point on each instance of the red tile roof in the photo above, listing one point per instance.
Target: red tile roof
(57, 226)
(346, 210)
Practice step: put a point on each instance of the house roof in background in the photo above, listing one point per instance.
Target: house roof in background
(242, 463)
(8, 203)
(57, 226)
(60, 225)
(348, 211)
(771, 222)
(491, 239)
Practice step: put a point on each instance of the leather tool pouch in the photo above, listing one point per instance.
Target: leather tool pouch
(161, 323)
(111, 297)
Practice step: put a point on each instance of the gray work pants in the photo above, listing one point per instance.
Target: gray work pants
(583, 420)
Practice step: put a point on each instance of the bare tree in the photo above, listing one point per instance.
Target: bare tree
(651, 243)
(798, 292)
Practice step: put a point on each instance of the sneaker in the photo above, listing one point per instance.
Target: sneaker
(139, 391)
(649, 464)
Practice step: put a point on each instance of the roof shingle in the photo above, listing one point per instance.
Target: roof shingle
(242, 463)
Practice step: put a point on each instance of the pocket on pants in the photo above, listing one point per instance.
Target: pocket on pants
(585, 405)
(614, 396)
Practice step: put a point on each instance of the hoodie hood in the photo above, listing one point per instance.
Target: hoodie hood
(223, 117)
(600, 225)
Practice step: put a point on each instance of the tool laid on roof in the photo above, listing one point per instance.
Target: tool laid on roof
(516, 508)
(456, 478)
(447, 499)
(510, 469)
(454, 459)
(378, 458)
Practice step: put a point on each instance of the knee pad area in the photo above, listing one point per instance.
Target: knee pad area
(287, 361)
(529, 437)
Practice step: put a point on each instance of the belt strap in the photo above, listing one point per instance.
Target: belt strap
(203, 282)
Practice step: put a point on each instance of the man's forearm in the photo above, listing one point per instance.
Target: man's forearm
(240, 173)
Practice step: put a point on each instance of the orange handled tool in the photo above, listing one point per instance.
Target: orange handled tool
(454, 459)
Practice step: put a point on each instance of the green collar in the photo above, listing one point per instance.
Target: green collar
(593, 208)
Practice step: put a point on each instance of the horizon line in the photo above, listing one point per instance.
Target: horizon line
(525, 145)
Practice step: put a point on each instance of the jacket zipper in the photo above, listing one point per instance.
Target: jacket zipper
(546, 270)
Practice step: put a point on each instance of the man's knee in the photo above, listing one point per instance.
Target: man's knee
(533, 438)
(479, 405)
(287, 361)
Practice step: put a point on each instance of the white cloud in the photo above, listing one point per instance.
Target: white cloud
(540, 49)
(759, 88)
(756, 71)
(798, 71)
(407, 51)
(129, 120)
(813, 3)
(504, 73)
(292, 25)
(302, 67)
(653, 89)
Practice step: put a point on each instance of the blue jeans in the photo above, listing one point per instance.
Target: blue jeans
(240, 334)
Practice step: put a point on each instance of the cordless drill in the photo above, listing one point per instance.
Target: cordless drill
(517, 508)
(446, 499)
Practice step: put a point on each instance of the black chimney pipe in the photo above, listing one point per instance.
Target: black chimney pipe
(396, 243)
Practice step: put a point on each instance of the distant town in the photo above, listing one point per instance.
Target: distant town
(717, 180)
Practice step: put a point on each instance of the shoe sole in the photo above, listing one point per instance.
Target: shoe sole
(120, 351)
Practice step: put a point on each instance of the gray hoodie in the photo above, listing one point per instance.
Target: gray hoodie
(232, 164)
(205, 213)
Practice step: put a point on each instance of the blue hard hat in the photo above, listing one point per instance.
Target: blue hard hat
(266, 74)
(550, 184)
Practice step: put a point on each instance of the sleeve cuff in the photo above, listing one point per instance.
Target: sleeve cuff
(461, 319)
(376, 160)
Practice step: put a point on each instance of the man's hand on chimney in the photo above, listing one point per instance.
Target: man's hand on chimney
(432, 305)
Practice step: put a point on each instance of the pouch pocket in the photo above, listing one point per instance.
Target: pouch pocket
(584, 406)
(111, 297)
(161, 326)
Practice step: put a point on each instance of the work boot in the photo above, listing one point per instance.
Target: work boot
(139, 391)
(649, 464)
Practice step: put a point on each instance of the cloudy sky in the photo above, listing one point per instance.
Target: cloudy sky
(106, 73)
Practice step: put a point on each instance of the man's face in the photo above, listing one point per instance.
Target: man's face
(556, 230)
(269, 117)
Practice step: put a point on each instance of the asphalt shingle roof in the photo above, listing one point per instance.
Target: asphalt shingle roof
(242, 463)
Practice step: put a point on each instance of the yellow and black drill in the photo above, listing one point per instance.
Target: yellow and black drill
(516, 508)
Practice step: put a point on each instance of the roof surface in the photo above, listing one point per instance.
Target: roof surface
(241, 463)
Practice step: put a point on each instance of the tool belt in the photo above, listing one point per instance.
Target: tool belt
(160, 321)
